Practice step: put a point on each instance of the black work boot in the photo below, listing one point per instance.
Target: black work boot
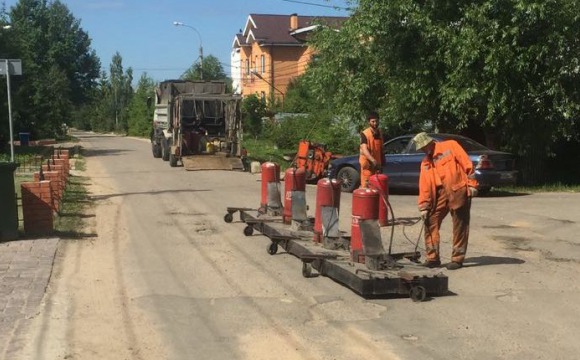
(454, 265)
(432, 264)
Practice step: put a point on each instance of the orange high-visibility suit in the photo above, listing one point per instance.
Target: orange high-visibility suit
(444, 182)
(374, 141)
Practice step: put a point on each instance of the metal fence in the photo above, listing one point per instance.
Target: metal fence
(29, 158)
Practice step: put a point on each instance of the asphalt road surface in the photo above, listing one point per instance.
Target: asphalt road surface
(160, 275)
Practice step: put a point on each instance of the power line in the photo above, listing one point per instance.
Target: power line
(319, 5)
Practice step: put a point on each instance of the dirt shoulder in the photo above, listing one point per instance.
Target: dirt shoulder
(86, 313)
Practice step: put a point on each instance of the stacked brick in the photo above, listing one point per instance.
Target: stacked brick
(42, 198)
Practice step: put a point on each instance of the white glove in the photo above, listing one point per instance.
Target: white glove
(424, 214)
(473, 192)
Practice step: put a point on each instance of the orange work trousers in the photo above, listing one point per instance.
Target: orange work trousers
(460, 218)
(365, 175)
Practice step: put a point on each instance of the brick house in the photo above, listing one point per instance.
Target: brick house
(272, 50)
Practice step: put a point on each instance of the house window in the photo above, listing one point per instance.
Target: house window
(247, 66)
(263, 63)
(256, 64)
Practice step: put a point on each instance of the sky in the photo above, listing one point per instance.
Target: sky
(143, 33)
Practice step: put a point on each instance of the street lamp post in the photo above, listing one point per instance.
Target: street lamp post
(179, 23)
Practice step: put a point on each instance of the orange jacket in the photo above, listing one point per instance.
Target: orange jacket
(450, 167)
(375, 147)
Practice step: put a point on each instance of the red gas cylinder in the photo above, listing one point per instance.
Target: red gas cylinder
(327, 194)
(380, 182)
(270, 174)
(365, 206)
(294, 180)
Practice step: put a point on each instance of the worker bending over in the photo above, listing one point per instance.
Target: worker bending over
(371, 149)
(446, 184)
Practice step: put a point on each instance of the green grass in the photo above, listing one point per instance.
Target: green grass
(264, 150)
(80, 163)
(71, 219)
(553, 187)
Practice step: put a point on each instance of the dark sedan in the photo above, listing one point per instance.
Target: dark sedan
(402, 164)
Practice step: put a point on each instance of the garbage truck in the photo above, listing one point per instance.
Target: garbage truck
(198, 125)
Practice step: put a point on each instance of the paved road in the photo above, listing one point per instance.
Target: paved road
(205, 291)
(25, 269)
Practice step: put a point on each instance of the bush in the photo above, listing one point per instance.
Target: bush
(336, 134)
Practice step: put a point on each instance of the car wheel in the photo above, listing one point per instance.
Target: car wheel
(156, 148)
(165, 149)
(349, 179)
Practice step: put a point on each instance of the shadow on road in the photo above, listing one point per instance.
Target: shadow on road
(108, 196)
(103, 152)
(491, 260)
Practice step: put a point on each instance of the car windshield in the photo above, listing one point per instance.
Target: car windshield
(401, 145)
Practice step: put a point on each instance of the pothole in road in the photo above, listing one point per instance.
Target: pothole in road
(515, 242)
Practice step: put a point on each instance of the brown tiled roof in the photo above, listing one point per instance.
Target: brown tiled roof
(275, 29)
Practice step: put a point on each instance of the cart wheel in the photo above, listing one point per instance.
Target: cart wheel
(418, 293)
(228, 218)
(272, 248)
(306, 270)
(248, 230)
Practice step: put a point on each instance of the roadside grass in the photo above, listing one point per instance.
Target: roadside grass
(70, 221)
(552, 187)
(263, 150)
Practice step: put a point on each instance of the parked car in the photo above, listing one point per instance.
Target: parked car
(402, 164)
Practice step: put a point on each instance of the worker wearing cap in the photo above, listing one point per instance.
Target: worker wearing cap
(371, 149)
(446, 185)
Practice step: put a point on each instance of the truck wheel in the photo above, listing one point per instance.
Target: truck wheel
(349, 179)
(172, 160)
(165, 150)
(156, 148)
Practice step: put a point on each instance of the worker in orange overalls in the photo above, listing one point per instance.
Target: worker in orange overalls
(446, 184)
(371, 149)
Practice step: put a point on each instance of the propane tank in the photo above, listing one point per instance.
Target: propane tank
(380, 182)
(365, 206)
(270, 201)
(294, 181)
(327, 195)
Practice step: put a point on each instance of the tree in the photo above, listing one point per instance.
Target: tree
(507, 66)
(253, 110)
(121, 91)
(212, 70)
(139, 114)
(60, 68)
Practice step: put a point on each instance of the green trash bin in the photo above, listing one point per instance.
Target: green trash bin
(9, 207)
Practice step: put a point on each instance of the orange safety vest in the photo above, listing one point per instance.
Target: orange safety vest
(375, 147)
(449, 167)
